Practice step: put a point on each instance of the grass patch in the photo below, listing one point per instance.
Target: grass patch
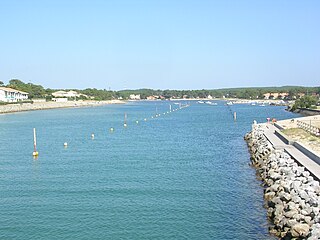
(294, 131)
(298, 134)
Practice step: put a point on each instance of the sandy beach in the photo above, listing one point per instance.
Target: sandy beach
(19, 107)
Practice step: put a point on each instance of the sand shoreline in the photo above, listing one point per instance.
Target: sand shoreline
(21, 107)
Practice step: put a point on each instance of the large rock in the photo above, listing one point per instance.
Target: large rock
(300, 230)
(291, 213)
(316, 210)
(274, 187)
(292, 194)
(315, 232)
(308, 219)
(279, 210)
(269, 196)
(306, 174)
(286, 197)
(291, 222)
(296, 185)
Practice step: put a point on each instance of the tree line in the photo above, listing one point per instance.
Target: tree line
(305, 102)
(38, 91)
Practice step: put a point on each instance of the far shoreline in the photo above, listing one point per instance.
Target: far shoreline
(233, 100)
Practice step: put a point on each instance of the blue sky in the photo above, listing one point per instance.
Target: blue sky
(164, 44)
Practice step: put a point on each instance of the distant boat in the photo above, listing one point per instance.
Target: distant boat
(200, 102)
(253, 104)
(211, 103)
(262, 105)
(176, 103)
(229, 103)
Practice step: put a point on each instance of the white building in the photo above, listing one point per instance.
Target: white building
(69, 94)
(12, 95)
(60, 99)
(134, 97)
(39, 100)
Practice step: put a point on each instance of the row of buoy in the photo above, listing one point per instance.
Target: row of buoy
(65, 144)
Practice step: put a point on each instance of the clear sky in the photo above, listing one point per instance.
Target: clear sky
(163, 44)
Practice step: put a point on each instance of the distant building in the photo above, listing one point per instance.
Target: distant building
(69, 94)
(59, 94)
(134, 97)
(209, 97)
(275, 95)
(39, 100)
(155, 97)
(60, 99)
(12, 95)
(151, 98)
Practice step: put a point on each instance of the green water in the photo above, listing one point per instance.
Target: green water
(184, 175)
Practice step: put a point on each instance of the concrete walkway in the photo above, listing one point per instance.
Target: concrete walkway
(308, 163)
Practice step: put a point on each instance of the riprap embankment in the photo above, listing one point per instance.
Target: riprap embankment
(292, 194)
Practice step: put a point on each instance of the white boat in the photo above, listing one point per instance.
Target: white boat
(229, 103)
(211, 103)
(200, 102)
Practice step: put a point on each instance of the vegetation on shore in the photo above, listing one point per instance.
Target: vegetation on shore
(305, 102)
(38, 91)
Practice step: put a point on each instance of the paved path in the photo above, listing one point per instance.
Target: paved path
(308, 163)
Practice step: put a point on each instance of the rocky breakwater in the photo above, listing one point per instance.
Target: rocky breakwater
(292, 195)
